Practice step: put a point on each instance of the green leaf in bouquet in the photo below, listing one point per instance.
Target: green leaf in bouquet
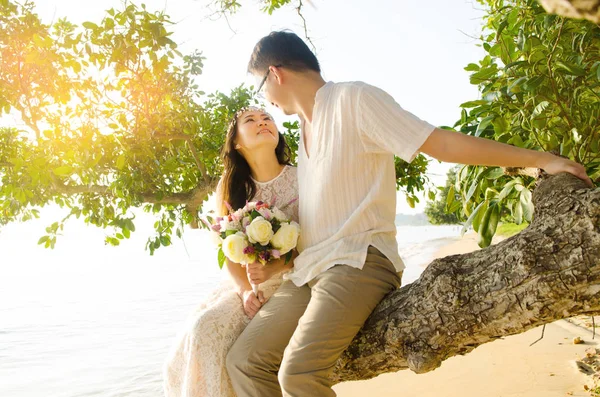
(254, 214)
(221, 258)
(229, 233)
(288, 257)
(276, 225)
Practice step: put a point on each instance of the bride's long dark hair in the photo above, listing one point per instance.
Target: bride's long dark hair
(237, 186)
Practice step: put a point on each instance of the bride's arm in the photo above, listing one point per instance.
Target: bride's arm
(238, 276)
(235, 270)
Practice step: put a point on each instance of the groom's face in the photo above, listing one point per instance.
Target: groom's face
(274, 89)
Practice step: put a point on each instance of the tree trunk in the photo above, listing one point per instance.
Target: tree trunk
(581, 9)
(549, 271)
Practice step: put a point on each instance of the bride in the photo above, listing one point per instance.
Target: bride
(256, 168)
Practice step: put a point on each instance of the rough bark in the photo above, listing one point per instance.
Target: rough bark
(549, 271)
(581, 9)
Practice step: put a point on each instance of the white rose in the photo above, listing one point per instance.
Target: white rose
(279, 215)
(260, 231)
(286, 237)
(233, 247)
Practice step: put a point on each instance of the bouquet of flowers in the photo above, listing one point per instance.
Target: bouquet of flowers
(256, 232)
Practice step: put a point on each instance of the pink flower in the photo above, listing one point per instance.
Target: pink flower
(276, 254)
(264, 256)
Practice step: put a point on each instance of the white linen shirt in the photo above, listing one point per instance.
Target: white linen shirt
(347, 187)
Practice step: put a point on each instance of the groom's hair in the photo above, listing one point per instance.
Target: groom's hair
(282, 49)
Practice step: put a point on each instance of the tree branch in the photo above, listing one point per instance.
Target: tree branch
(299, 11)
(549, 271)
(192, 199)
(588, 9)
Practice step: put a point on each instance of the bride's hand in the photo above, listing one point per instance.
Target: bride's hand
(252, 303)
(259, 273)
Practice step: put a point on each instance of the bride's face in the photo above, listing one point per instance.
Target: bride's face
(256, 129)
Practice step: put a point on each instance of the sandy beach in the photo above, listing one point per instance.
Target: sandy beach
(509, 367)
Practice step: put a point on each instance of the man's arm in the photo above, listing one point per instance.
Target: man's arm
(459, 148)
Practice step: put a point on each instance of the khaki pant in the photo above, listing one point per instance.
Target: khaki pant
(293, 343)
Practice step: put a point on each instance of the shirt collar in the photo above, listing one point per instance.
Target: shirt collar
(322, 92)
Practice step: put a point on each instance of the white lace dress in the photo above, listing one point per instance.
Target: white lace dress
(195, 366)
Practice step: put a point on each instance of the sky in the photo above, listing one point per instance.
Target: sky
(416, 51)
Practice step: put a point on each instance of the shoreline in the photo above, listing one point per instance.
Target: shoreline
(508, 367)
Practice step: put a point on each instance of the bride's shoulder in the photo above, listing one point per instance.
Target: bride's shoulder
(291, 171)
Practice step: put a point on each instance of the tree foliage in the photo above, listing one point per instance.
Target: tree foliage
(540, 89)
(106, 117)
(438, 211)
(109, 119)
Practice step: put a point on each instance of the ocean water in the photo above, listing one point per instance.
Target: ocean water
(95, 321)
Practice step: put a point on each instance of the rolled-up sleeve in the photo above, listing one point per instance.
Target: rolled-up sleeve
(385, 127)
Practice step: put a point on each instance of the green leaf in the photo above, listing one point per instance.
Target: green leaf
(539, 109)
(472, 188)
(501, 27)
(495, 173)
(64, 170)
(254, 214)
(508, 188)
(89, 25)
(533, 83)
(431, 195)
(120, 162)
(221, 258)
(527, 204)
(569, 68)
(479, 216)
(450, 198)
(473, 104)
(288, 257)
(129, 225)
(43, 239)
(518, 213)
(515, 87)
(484, 74)
(471, 218)
(484, 124)
(489, 224)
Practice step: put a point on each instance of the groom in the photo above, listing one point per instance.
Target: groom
(348, 252)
